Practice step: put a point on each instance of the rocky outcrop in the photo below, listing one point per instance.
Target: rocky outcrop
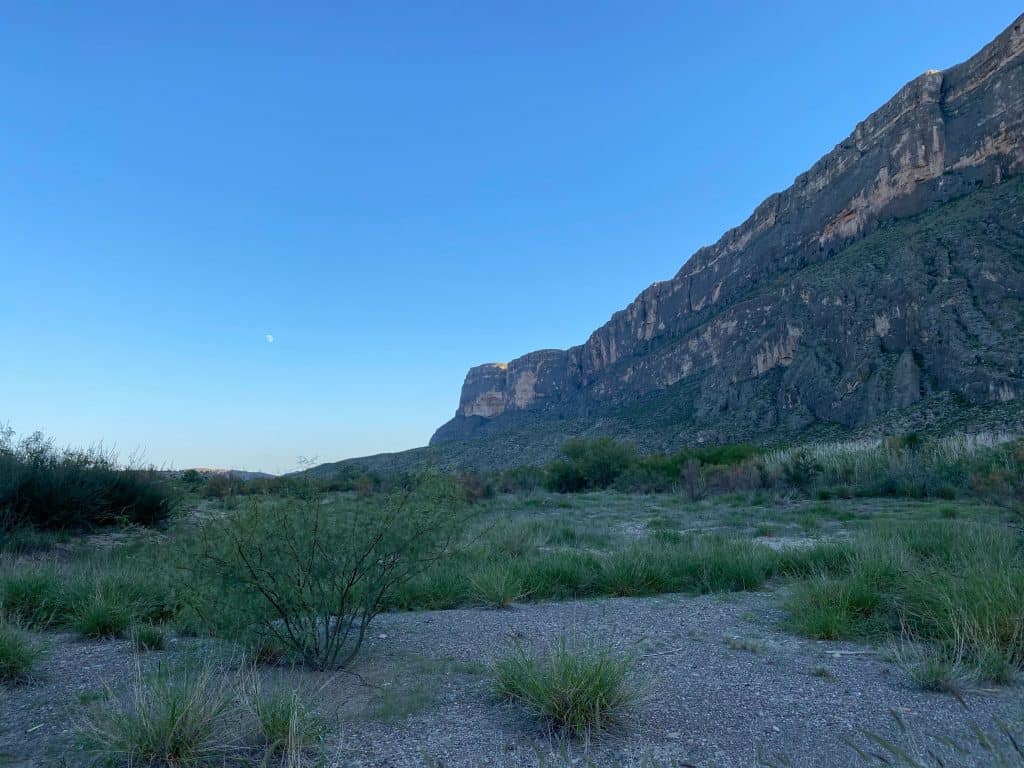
(783, 322)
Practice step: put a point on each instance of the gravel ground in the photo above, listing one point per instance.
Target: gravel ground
(720, 681)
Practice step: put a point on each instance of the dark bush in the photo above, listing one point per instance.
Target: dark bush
(44, 487)
(801, 469)
(589, 464)
(562, 476)
(644, 478)
(476, 487)
(524, 479)
(693, 479)
(221, 485)
(192, 478)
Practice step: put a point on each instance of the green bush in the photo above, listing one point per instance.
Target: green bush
(562, 476)
(577, 689)
(310, 578)
(801, 469)
(589, 464)
(957, 587)
(47, 488)
(644, 478)
(522, 479)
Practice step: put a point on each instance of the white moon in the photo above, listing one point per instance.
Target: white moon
(270, 338)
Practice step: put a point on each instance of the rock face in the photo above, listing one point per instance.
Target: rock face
(822, 307)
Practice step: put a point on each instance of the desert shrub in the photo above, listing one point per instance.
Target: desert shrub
(312, 578)
(801, 469)
(732, 565)
(589, 464)
(724, 455)
(644, 478)
(578, 689)
(732, 478)
(909, 466)
(475, 487)
(192, 478)
(446, 584)
(18, 653)
(821, 608)
(693, 479)
(506, 540)
(562, 476)
(339, 478)
(971, 614)
(933, 669)
(43, 487)
(686, 564)
(523, 479)
(168, 718)
(222, 485)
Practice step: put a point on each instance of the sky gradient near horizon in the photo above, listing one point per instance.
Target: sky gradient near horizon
(233, 234)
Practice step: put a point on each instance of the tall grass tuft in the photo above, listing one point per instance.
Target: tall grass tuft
(18, 653)
(287, 726)
(168, 718)
(576, 689)
(956, 586)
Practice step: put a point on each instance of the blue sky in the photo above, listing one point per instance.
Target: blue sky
(394, 190)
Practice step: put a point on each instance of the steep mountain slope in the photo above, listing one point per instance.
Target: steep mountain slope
(887, 283)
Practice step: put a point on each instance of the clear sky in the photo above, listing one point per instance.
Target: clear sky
(391, 191)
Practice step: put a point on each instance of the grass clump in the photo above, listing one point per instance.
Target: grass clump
(497, 586)
(18, 654)
(287, 726)
(955, 586)
(34, 595)
(101, 615)
(167, 719)
(577, 690)
(147, 637)
(820, 608)
(934, 672)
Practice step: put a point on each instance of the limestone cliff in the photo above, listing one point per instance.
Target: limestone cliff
(783, 323)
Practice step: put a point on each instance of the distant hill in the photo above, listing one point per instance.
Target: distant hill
(237, 474)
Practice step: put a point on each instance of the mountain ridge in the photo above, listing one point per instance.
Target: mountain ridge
(941, 137)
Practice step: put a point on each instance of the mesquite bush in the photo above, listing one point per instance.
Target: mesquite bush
(308, 576)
